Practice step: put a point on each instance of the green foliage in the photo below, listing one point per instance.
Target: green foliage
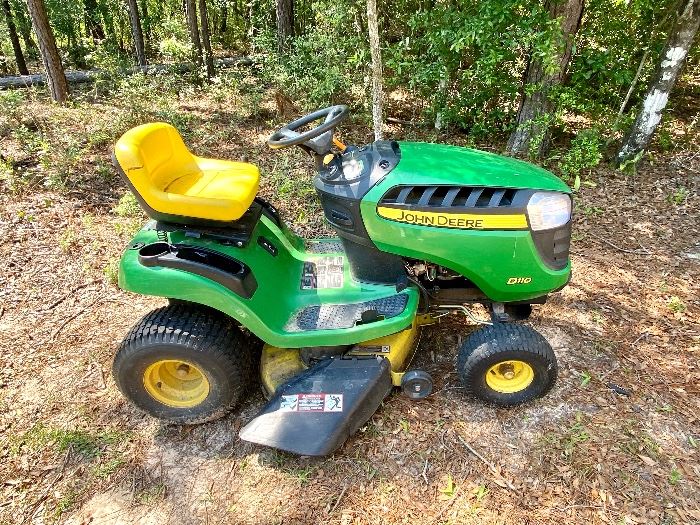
(312, 72)
(584, 153)
(461, 61)
(629, 166)
(111, 271)
(609, 48)
(450, 57)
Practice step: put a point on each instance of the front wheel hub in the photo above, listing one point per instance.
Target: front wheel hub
(509, 377)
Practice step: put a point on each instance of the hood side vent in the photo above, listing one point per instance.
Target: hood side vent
(451, 197)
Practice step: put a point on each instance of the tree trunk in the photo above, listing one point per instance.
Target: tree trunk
(536, 111)
(191, 12)
(93, 29)
(206, 38)
(146, 24)
(137, 33)
(377, 75)
(58, 87)
(673, 56)
(19, 56)
(284, 13)
(23, 23)
(224, 18)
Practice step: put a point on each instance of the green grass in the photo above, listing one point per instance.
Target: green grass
(106, 468)
(151, 494)
(86, 443)
(66, 502)
(128, 206)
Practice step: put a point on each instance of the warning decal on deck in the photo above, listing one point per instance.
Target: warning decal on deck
(324, 272)
(312, 403)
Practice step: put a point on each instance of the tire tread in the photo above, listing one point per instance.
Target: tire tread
(497, 338)
(200, 330)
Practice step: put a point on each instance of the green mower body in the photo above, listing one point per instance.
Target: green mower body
(487, 262)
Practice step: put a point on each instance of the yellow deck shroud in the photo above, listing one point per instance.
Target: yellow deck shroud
(278, 365)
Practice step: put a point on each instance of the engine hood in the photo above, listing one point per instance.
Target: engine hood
(440, 164)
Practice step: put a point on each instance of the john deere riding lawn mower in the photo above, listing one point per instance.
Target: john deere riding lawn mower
(423, 231)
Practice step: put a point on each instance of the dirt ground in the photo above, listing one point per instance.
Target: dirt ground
(615, 442)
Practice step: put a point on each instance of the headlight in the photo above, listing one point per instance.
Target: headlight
(548, 210)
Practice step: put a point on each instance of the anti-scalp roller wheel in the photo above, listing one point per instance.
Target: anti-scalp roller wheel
(417, 384)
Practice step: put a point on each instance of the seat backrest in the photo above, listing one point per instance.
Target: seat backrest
(153, 155)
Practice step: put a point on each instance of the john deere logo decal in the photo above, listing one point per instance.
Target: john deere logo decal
(464, 221)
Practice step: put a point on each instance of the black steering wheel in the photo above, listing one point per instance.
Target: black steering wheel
(318, 139)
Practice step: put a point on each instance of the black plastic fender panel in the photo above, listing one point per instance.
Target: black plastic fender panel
(225, 270)
(315, 412)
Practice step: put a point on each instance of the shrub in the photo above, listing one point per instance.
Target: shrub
(585, 153)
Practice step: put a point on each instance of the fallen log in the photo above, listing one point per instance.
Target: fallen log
(81, 77)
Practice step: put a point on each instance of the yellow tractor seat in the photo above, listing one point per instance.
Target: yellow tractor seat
(174, 185)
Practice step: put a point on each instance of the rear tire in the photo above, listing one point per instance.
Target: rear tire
(507, 364)
(184, 364)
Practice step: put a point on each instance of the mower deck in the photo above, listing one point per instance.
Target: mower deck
(279, 365)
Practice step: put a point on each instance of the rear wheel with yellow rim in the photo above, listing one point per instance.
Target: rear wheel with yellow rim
(507, 364)
(184, 364)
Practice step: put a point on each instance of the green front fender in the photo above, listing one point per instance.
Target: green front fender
(505, 265)
(278, 295)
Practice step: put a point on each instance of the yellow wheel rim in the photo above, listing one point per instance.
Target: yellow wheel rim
(509, 377)
(176, 383)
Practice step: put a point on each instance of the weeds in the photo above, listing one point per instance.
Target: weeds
(584, 154)
(675, 476)
(679, 196)
(109, 467)
(151, 494)
(302, 474)
(480, 492)
(66, 502)
(111, 271)
(449, 489)
(676, 305)
(638, 442)
(569, 440)
(128, 206)
(67, 240)
(585, 379)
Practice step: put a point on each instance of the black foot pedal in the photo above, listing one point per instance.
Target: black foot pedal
(314, 413)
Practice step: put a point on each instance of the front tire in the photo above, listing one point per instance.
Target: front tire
(507, 364)
(184, 364)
